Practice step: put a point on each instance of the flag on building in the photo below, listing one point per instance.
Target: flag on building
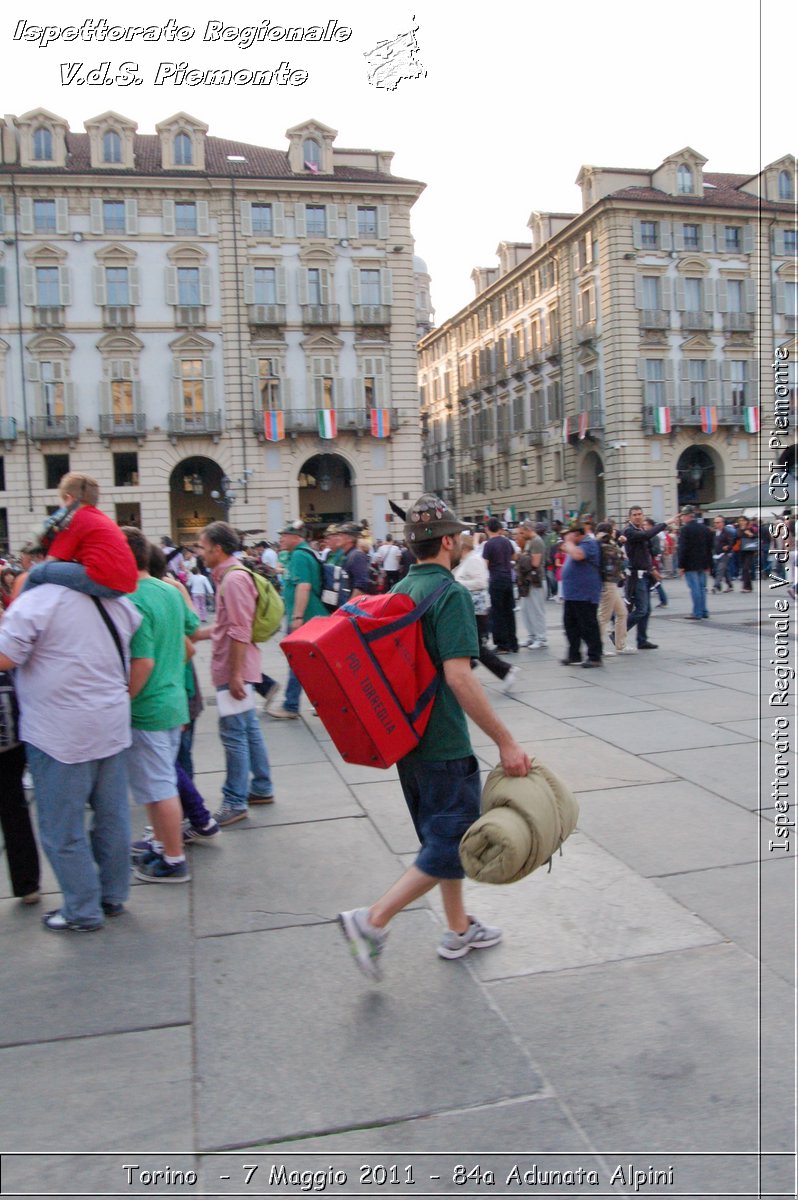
(709, 419)
(662, 420)
(273, 426)
(752, 419)
(312, 167)
(380, 422)
(566, 429)
(582, 426)
(327, 423)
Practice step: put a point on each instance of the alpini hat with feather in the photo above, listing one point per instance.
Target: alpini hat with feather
(429, 518)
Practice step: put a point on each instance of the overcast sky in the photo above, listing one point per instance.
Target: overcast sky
(516, 97)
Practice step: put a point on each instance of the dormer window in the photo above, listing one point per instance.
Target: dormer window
(785, 185)
(42, 145)
(112, 147)
(183, 149)
(684, 178)
(311, 152)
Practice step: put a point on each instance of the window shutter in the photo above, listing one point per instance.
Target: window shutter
(33, 371)
(64, 286)
(641, 369)
(748, 239)
(131, 216)
(379, 384)
(299, 220)
(318, 391)
(637, 235)
(752, 390)
(105, 396)
(669, 389)
(254, 376)
(2, 285)
(245, 217)
(664, 235)
(98, 278)
(203, 219)
(713, 381)
(206, 285)
(61, 215)
(303, 285)
(707, 239)
(667, 293)
(581, 392)
(209, 388)
(171, 285)
(351, 221)
(95, 215)
(678, 235)
(725, 370)
(177, 386)
(137, 394)
(324, 280)
(332, 220)
(355, 281)
(680, 294)
(750, 295)
(386, 285)
(249, 285)
(709, 295)
(278, 219)
(281, 283)
(25, 214)
(722, 302)
(639, 291)
(134, 285)
(169, 218)
(28, 286)
(383, 221)
(780, 304)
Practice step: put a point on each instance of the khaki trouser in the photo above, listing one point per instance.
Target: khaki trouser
(612, 601)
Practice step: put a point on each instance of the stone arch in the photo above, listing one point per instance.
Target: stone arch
(192, 480)
(700, 473)
(326, 488)
(591, 492)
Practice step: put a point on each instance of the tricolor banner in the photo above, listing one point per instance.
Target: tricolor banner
(328, 426)
(662, 420)
(752, 419)
(566, 429)
(582, 426)
(273, 426)
(709, 419)
(380, 422)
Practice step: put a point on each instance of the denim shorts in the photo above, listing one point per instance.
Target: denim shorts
(151, 764)
(443, 799)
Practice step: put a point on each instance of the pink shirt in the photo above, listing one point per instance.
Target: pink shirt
(235, 608)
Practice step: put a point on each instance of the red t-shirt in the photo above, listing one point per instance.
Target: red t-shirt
(92, 539)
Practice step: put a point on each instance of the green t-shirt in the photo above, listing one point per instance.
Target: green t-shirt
(450, 631)
(303, 567)
(166, 619)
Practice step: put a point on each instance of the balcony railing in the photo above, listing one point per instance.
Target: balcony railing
(503, 444)
(690, 415)
(586, 332)
(129, 425)
(190, 316)
(697, 320)
(738, 322)
(53, 428)
(347, 420)
(551, 349)
(595, 419)
(201, 424)
(266, 315)
(320, 314)
(534, 437)
(119, 316)
(372, 314)
(477, 453)
(655, 318)
(8, 429)
(49, 316)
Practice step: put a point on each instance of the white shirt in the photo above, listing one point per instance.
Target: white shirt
(472, 571)
(200, 585)
(391, 557)
(73, 697)
(269, 558)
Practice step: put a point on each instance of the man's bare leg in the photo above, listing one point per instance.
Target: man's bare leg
(411, 886)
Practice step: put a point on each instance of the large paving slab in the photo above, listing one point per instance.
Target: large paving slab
(729, 771)
(344, 1052)
(524, 723)
(86, 1094)
(77, 985)
(587, 702)
(385, 805)
(282, 876)
(717, 704)
(658, 1053)
(753, 905)
(590, 908)
(624, 674)
(648, 732)
(585, 763)
(670, 827)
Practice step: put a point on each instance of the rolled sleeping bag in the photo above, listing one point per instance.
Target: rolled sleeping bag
(524, 821)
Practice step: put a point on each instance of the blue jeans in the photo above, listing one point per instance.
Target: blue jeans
(641, 610)
(94, 867)
(70, 575)
(697, 583)
(293, 690)
(245, 751)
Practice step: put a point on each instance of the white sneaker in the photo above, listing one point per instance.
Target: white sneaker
(476, 937)
(510, 679)
(537, 645)
(610, 652)
(628, 650)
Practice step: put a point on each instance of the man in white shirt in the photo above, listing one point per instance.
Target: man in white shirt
(389, 559)
(72, 684)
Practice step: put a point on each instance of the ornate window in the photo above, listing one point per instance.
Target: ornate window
(42, 144)
(684, 178)
(311, 153)
(786, 190)
(112, 147)
(183, 150)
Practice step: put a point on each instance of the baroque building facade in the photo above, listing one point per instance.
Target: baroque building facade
(617, 358)
(210, 328)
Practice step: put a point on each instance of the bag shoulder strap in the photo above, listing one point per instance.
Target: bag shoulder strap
(112, 629)
(320, 566)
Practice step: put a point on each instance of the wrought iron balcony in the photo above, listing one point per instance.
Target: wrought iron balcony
(320, 314)
(49, 316)
(200, 424)
(266, 315)
(690, 415)
(586, 332)
(190, 316)
(119, 316)
(372, 314)
(8, 429)
(123, 426)
(347, 420)
(697, 320)
(738, 322)
(655, 318)
(63, 428)
(534, 437)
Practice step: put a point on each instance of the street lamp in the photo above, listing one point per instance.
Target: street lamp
(228, 495)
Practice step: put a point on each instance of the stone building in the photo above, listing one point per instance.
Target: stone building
(183, 315)
(617, 357)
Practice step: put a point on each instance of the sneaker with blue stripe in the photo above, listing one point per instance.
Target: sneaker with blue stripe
(156, 869)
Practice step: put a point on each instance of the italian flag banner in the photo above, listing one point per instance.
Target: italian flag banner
(752, 419)
(566, 429)
(380, 422)
(662, 420)
(709, 419)
(327, 423)
(273, 426)
(582, 426)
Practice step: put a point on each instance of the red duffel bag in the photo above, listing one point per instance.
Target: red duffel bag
(368, 674)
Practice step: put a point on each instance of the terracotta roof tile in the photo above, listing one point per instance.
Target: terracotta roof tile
(724, 190)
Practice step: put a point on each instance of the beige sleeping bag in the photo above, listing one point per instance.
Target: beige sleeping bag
(524, 822)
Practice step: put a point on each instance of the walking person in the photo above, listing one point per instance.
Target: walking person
(200, 589)
(440, 778)
(472, 573)
(530, 571)
(637, 546)
(747, 548)
(611, 601)
(22, 856)
(695, 560)
(302, 585)
(722, 546)
(581, 591)
(498, 552)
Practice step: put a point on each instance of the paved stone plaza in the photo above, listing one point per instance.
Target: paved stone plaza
(639, 1012)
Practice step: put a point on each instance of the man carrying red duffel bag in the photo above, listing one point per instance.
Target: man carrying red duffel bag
(440, 776)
